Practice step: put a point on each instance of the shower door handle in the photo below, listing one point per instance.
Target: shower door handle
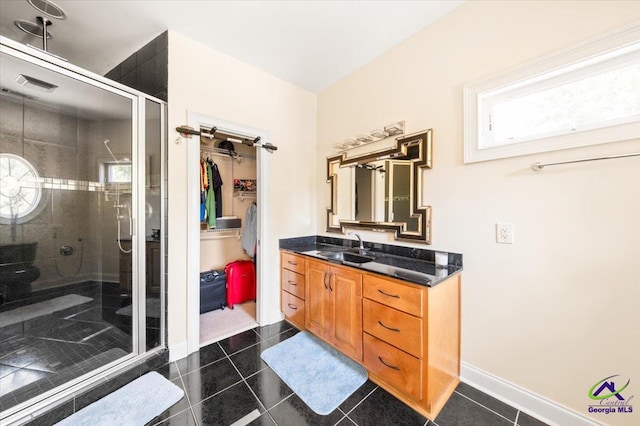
(131, 226)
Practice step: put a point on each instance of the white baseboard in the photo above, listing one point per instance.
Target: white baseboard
(273, 317)
(522, 399)
(178, 351)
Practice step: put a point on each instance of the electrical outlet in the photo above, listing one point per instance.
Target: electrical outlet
(504, 233)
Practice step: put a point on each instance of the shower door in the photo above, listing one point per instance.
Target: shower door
(80, 263)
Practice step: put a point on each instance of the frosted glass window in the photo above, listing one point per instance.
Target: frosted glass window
(582, 96)
(601, 100)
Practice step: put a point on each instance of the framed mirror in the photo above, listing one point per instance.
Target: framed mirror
(382, 190)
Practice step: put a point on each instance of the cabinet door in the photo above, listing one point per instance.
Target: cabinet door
(293, 308)
(346, 294)
(292, 282)
(126, 270)
(317, 299)
(153, 267)
(292, 262)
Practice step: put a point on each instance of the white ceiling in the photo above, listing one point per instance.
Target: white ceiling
(312, 44)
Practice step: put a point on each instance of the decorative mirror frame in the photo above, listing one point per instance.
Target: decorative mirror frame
(421, 212)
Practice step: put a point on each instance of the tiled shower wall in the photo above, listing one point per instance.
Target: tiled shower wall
(63, 147)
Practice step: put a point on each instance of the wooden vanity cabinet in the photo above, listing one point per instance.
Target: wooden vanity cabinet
(126, 268)
(334, 306)
(406, 335)
(152, 256)
(412, 339)
(292, 284)
(153, 267)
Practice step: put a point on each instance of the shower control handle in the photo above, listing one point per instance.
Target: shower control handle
(66, 250)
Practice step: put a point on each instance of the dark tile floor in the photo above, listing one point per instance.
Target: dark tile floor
(44, 352)
(227, 382)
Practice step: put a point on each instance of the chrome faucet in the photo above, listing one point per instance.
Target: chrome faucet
(361, 248)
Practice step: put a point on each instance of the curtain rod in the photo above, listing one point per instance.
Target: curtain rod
(539, 166)
(187, 132)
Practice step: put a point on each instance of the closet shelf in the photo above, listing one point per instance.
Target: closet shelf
(248, 194)
(225, 153)
(214, 234)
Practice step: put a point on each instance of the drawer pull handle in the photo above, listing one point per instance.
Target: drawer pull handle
(291, 262)
(393, 367)
(395, 296)
(397, 330)
(292, 283)
(294, 307)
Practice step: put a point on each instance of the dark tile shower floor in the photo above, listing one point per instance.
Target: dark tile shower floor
(44, 352)
(227, 382)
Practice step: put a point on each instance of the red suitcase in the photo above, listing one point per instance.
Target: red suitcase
(241, 282)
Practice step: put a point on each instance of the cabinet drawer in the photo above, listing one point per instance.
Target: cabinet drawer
(293, 283)
(293, 308)
(395, 294)
(293, 262)
(396, 367)
(394, 327)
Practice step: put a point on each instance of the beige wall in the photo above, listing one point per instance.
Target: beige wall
(209, 83)
(558, 310)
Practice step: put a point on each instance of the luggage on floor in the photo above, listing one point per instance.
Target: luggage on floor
(213, 290)
(241, 282)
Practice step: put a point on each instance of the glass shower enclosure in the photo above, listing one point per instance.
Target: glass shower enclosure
(81, 227)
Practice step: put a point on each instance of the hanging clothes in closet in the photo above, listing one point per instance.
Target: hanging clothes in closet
(250, 236)
(210, 192)
(203, 189)
(217, 188)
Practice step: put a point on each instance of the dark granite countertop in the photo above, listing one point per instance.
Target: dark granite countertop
(147, 239)
(410, 264)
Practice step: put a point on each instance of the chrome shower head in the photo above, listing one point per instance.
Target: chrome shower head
(49, 8)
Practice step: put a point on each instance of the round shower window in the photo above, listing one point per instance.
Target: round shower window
(20, 188)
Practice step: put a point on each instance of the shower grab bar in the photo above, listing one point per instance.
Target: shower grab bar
(539, 166)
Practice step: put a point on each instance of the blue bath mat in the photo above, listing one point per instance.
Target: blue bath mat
(35, 310)
(320, 375)
(134, 404)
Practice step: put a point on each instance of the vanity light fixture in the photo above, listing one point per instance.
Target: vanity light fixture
(379, 134)
(373, 136)
(346, 144)
(395, 128)
(363, 139)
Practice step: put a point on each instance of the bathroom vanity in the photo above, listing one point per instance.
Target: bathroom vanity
(152, 266)
(387, 307)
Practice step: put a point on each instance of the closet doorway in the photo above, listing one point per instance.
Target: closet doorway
(228, 230)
